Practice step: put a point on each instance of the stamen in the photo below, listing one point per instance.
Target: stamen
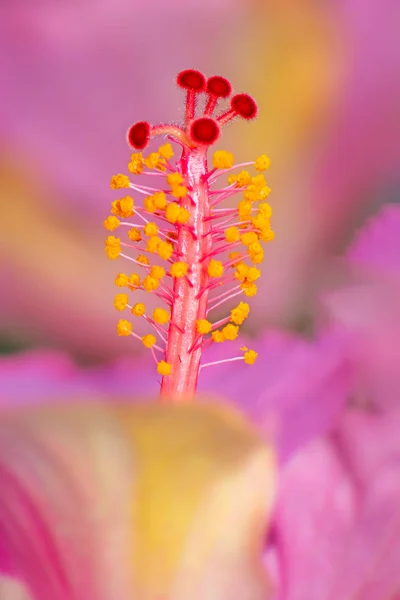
(178, 223)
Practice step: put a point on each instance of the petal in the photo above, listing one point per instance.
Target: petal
(299, 385)
(158, 497)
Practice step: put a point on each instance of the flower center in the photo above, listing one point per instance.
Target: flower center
(205, 248)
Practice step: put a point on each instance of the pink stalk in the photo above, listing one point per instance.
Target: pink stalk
(190, 304)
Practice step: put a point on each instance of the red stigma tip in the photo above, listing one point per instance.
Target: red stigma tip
(244, 106)
(191, 80)
(204, 131)
(139, 135)
(219, 86)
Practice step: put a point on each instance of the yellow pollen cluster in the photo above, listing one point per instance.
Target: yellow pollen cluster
(257, 189)
(148, 340)
(176, 214)
(120, 301)
(215, 268)
(155, 161)
(123, 207)
(142, 259)
(150, 283)
(250, 356)
(232, 234)
(166, 151)
(241, 179)
(150, 229)
(262, 163)
(124, 327)
(161, 316)
(138, 309)
(240, 313)
(111, 223)
(164, 368)
(134, 234)
(179, 269)
(222, 159)
(119, 181)
(203, 326)
(157, 271)
(136, 164)
(113, 247)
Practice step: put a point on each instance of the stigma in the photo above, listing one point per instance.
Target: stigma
(182, 239)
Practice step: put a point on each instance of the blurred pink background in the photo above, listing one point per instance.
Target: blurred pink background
(76, 74)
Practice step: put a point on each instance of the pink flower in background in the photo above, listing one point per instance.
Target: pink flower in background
(337, 521)
(366, 310)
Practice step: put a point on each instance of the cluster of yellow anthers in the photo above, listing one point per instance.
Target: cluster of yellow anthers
(244, 228)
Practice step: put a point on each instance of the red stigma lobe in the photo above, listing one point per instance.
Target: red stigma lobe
(139, 135)
(204, 131)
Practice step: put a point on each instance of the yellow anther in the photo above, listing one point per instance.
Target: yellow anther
(166, 151)
(165, 250)
(120, 301)
(203, 326)
(138, 309)
(161, 316)
(234, 256)
(172, 212)
(134, 234)
(179, 191)
(179, 269)
(218, 336)
(240, 313)
(249, 289)
(155, 161)
(256, 253)
(183, 216)
(267, 234)
(232, 234)
(244, 209)
(124, 327)
(111, 223)
(164, 368)
(215, 268)
(230, 331)
(244, 178)
(251, 193)
(265, 209)
(123, 207)
(119, 181)
(153, 243)
(253, 274)
(150, 229)
(260, 221)
(121, 280)
(232, 179)
(262, 163)
(150, 283)
(159, 200)
(249, 238)
(241, 271)
(241, 179)
(142, 259)
(250, 357)
(157, 272)
(134, 280)
(222, 159)
(150, 204)
(148, 340)
(136, 164)
(113, 247)
(174, 179)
